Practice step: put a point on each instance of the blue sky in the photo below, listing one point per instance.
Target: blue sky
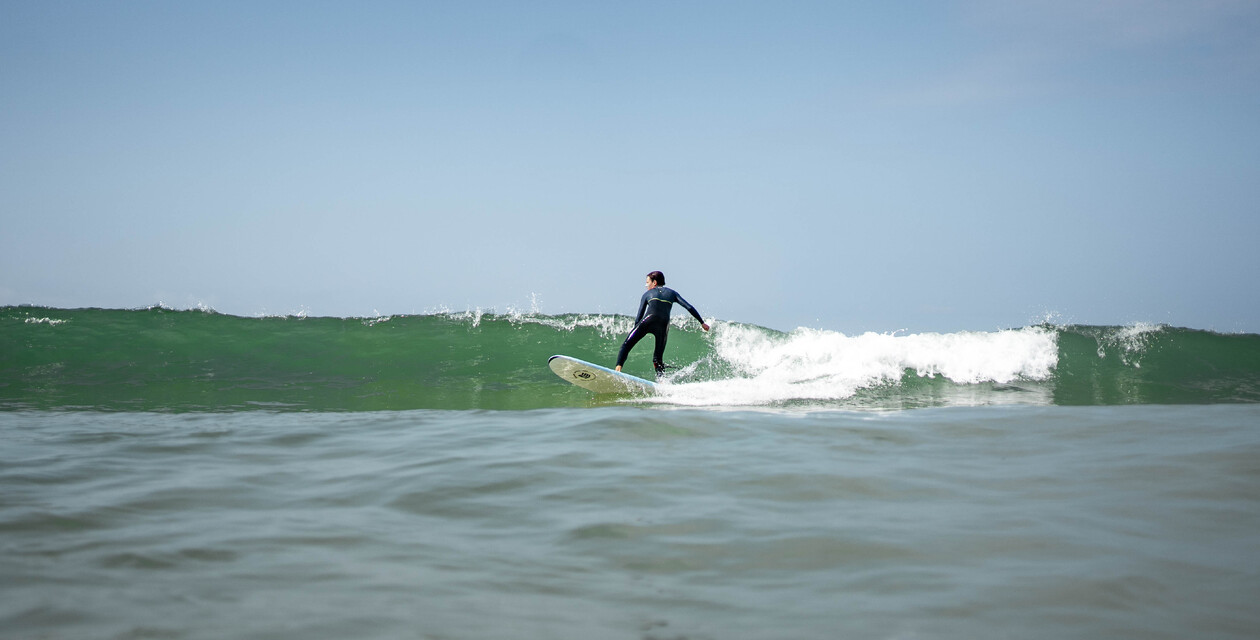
(874, 166)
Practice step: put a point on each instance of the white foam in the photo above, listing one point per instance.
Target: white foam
(48, 321)
(811, 364)
(607, 326)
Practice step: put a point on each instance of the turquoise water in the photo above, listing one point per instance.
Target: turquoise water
(192, 475)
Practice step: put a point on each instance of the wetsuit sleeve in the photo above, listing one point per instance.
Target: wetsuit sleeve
(687, 305)
(642, 305)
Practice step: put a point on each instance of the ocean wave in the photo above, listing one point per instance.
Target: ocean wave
(159, 359)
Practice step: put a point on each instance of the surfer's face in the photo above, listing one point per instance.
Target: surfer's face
(650, 283)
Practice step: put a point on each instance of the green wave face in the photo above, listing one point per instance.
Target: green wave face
(164, 360)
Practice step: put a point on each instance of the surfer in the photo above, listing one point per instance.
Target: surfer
(656, 302)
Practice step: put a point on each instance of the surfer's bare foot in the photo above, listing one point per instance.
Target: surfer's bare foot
(618, 367)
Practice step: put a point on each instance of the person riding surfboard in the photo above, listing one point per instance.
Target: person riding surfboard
(656, 304)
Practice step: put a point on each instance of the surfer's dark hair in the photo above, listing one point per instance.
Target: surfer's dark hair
(658, 277)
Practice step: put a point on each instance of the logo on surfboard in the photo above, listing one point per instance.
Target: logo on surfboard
(582, 374)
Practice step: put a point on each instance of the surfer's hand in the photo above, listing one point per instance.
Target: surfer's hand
(706, 327)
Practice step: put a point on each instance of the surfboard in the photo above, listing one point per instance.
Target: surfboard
(593, 377)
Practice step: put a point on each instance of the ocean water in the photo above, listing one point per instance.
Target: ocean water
(188, 474)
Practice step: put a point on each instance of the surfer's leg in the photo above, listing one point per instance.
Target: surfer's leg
(635, 336)
(658, 354)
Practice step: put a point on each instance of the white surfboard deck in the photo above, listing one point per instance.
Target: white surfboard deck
(593, 377)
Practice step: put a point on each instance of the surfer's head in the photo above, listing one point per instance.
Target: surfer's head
(657, 277)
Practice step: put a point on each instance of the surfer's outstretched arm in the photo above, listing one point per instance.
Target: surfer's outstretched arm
(695, 314)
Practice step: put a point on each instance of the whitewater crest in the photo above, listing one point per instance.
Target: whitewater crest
(813, 364)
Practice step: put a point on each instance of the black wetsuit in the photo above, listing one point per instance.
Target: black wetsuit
(656, 303)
